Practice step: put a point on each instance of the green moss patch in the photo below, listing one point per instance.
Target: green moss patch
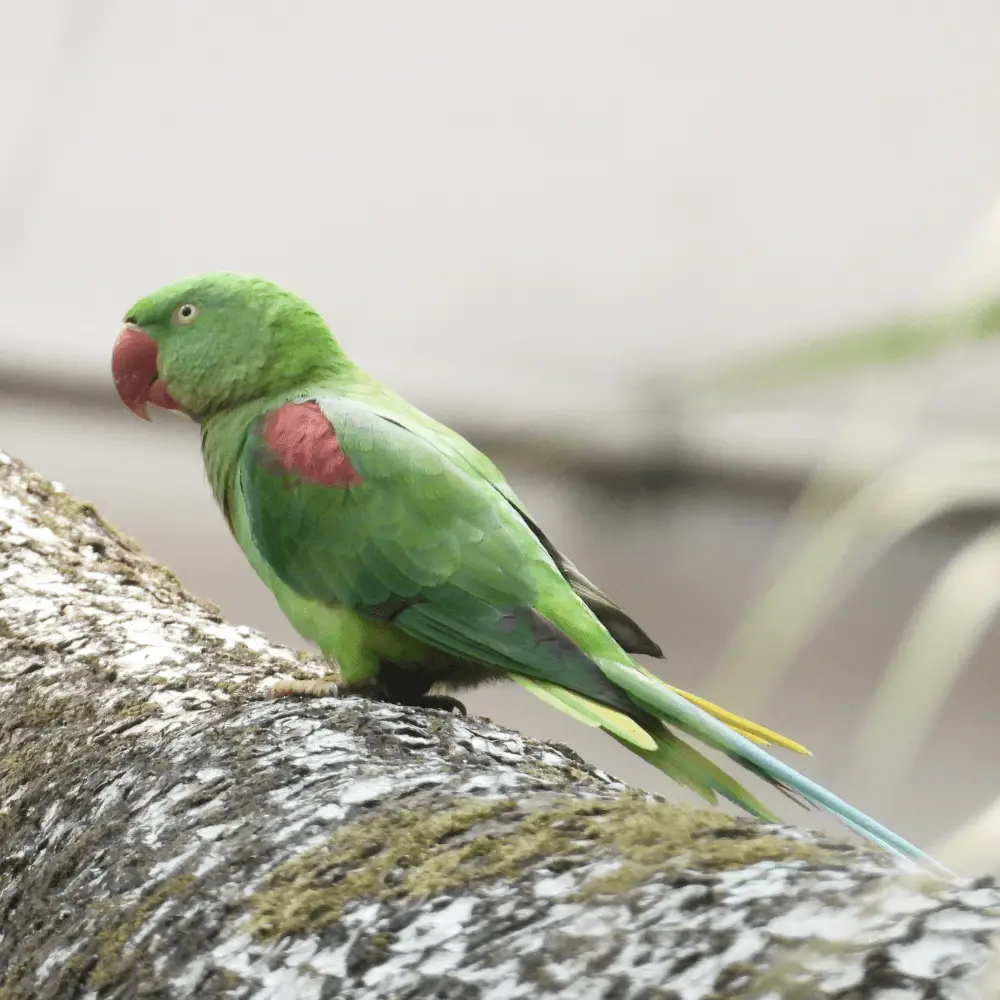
(420, 853)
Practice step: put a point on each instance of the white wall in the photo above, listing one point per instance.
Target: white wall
(513, 207)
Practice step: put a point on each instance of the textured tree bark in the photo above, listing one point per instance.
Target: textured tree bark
(170, 827)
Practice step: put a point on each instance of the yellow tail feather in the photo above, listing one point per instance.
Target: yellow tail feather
(752, 731)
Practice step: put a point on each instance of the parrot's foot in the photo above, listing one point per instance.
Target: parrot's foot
(442, 701)
(400, 684)
(408, 699)
(406, 695)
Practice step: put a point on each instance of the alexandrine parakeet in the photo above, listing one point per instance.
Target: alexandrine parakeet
(399, 549)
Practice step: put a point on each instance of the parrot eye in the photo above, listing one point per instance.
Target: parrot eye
(185, 314)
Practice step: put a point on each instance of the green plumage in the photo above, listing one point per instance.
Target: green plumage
(422, 570)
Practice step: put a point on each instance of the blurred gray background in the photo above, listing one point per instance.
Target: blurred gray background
(521, 215)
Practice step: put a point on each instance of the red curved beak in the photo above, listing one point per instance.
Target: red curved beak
(133, 365)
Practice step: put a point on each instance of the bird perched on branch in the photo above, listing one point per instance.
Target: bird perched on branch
(400, 550)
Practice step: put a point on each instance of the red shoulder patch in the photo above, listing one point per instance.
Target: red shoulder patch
(305, 443)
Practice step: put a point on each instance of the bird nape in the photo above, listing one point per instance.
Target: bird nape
(401, 551)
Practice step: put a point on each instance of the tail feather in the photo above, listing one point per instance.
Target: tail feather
(773, 782)
(739, 739)
(751, 730)
(663, 702)
(590, 713)
(682, 762)
(663, 749)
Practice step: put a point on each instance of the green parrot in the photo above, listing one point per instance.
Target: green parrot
(401, 550)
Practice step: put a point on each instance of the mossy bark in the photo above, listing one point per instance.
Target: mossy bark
(170, 828)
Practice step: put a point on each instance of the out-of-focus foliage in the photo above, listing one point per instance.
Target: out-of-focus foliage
(841, 526)
(905, 339)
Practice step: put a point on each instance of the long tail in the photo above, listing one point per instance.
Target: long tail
(671, 707)
(741, 740)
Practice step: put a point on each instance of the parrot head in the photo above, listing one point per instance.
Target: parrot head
(205, 343)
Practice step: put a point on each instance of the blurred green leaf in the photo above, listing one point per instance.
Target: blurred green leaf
(939, 641)
(846, 518)
(834, 356)
(777, 627)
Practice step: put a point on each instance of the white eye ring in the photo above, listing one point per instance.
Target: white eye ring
(186, 313)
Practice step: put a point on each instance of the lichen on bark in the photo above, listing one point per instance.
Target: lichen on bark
(170, 829)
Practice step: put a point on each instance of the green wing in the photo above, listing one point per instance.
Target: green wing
(622, 628)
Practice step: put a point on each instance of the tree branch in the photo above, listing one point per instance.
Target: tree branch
(171, 828)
